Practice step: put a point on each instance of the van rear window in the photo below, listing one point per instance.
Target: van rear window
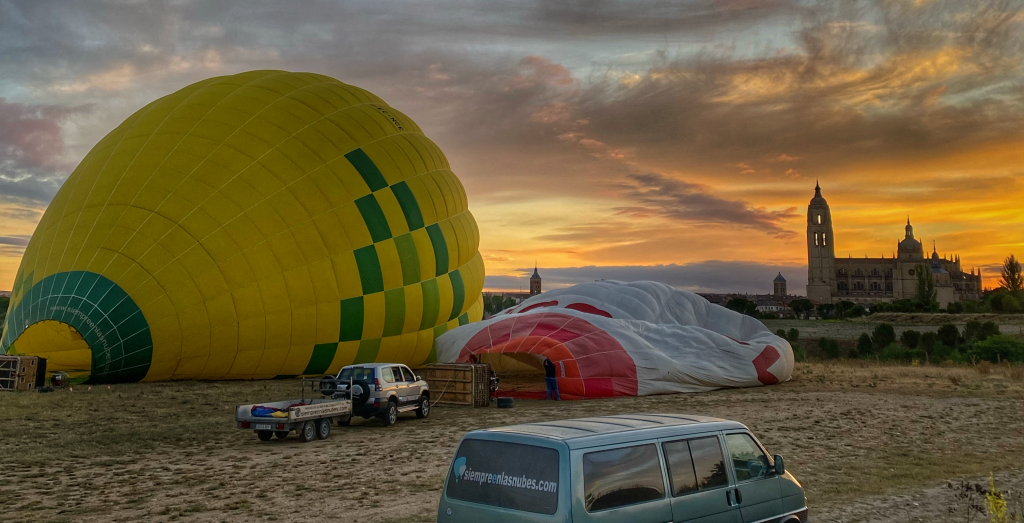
(507, 475)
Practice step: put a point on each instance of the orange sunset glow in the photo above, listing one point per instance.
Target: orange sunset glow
(628, 140)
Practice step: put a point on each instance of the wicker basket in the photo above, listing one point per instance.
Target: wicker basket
(466, 385)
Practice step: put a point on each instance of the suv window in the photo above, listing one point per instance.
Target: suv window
(387, 375)
(624, 476)
(409, 376)
(708, 463)
(748, 460)
(356, 373)
(399, 376)
(508, 475)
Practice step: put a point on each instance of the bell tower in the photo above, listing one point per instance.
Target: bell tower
(821, 251)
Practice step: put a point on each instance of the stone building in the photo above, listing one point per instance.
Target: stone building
(874, 280)
(535, 282)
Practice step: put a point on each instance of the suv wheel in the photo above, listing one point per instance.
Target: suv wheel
(424, 409)
(390, 416)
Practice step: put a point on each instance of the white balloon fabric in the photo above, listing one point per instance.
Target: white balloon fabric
(611, 338)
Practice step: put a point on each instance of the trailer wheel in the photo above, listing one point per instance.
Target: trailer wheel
(343, 422)
(308, 432)
(281, 434)
(323, 428)
(264, 435)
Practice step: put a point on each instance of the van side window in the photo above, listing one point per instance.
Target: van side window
(680, 467)
(748, 460)
(409, 376)
(387, 375)
(624, 476)
(708, 463)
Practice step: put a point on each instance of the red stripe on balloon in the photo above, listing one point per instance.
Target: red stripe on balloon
(764, 360)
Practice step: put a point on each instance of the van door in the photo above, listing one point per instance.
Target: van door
(620, 483)
(757, 488)
(699, 481)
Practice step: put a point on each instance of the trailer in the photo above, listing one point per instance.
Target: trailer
(309, 418)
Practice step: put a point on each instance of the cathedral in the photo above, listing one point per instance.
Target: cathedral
(873, 280)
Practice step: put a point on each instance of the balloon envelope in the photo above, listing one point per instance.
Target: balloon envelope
(258, 225)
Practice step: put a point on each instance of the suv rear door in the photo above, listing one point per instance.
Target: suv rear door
(758, 488)
(412, 392)
(699, 481)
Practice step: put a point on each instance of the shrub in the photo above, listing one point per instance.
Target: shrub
(799, 354)
(955, 308)
(857, 311)
(998, 348)
(781, 333)
(830, 347)
(794, 334)
(883, 336)
(1011, 305)
(910, 339)
(949, 335)
(928, 342)
(864, 346)
(894, 352)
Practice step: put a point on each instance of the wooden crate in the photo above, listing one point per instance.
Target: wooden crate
(457, 384)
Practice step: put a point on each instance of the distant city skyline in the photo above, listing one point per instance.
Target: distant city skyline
(618, 139)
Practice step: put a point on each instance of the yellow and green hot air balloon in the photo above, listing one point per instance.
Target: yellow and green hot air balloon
(260, 225)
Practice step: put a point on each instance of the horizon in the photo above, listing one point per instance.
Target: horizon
(677, 143)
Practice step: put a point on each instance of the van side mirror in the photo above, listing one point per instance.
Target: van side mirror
(418, 378)
(780, 466)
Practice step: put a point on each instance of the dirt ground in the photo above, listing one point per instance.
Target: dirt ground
(869, 443)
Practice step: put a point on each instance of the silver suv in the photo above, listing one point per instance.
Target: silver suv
(380, 389)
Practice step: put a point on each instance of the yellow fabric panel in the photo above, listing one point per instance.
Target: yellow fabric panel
(390, 263)
(406, 346)
(345, 355)
(61, 345)
(373, 315)
(327, 325)
(251, 339)
(321, 273)
(424, 342)
(403, 166)
(279, 330)
(450, 186)
(413, 308)
(303, 340)
(390, 349)
(444, 287)
(327, 225)
(355, 227)
(345, 268)
(425, 252)
(392, 212)
(437, 197)
(300, 288)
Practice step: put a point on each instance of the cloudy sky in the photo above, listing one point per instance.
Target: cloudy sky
(641, 139)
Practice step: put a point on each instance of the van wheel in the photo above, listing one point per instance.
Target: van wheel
(308, 432)
(390, 416)
(264, 435)
(343, 422)
(424, 409)
(281, 434)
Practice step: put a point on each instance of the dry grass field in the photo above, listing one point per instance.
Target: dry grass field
(869, 442)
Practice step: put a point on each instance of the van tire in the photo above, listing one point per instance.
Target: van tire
(281, 434)
(344, 421)
(506, 403)
(264, 435)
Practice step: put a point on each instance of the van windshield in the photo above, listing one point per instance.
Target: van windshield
(356, 373)
(507, 475)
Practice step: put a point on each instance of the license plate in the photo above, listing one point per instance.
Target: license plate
(264, 426)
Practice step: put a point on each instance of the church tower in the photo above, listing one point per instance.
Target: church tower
(535, 282)
(779, 286)
(821, 252)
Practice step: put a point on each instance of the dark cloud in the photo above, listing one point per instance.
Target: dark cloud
(32, 166)
(708, 276)
(13, 245)
(692, 203)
